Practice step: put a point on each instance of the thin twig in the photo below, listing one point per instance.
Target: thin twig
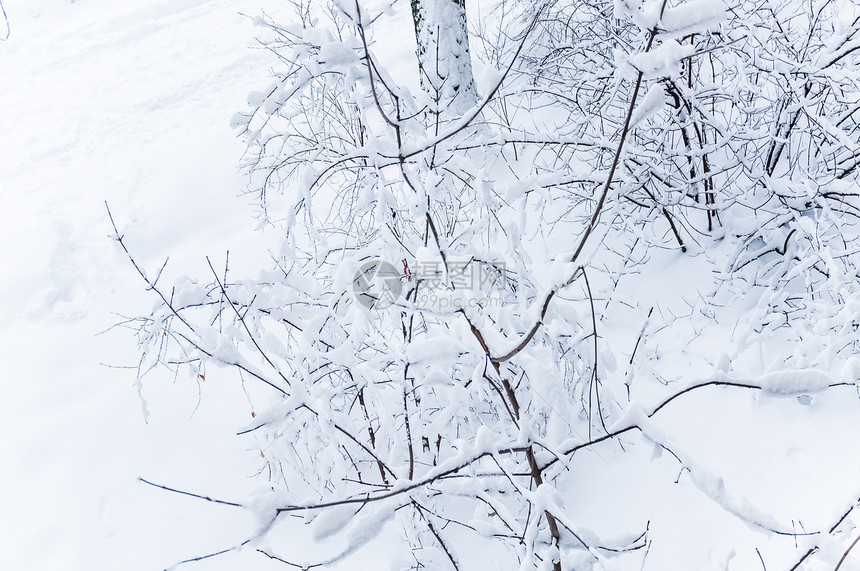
(192, 494)
(845, 555)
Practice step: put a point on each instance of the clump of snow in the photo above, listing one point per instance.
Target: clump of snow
(263, 502)
(332, 521)
(662, 61)
(694, 17)
(850, 372)
(432, 349)
(651, 103)
(795, 382)
(337, 54)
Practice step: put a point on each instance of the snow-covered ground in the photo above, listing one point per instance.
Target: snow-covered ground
(129, 103)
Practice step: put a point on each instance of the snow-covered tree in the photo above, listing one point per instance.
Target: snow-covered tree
(432, 345)
(445, 66)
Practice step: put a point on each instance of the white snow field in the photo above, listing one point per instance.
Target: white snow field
(129, 103)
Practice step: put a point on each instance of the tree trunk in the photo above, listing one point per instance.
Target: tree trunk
(443, 55)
